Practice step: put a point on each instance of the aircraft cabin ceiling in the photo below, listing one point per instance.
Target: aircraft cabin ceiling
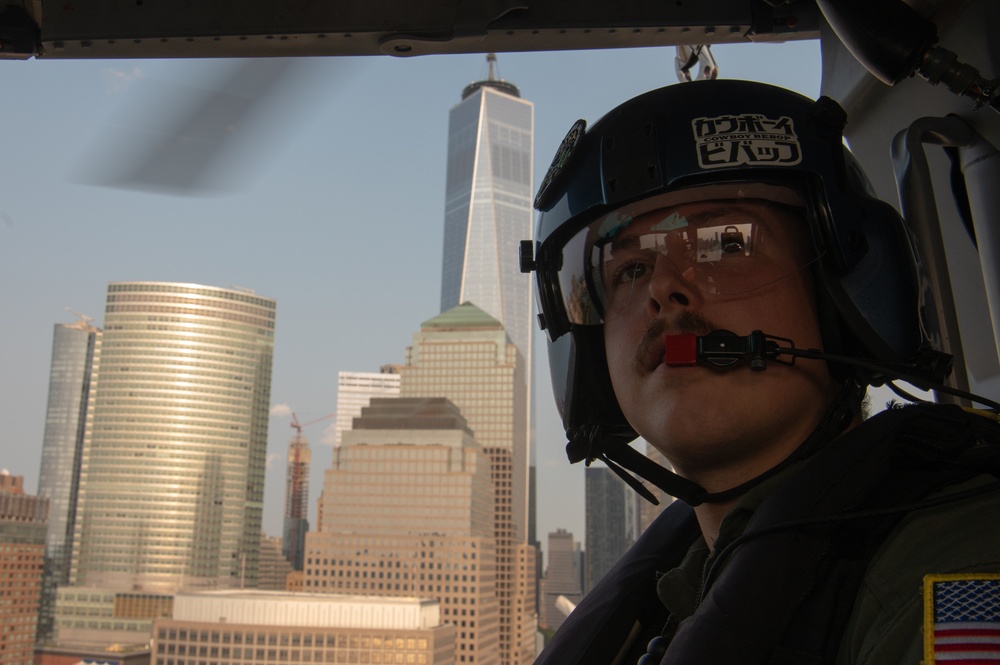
(234, 28)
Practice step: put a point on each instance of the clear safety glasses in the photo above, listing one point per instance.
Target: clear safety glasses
(719, 239)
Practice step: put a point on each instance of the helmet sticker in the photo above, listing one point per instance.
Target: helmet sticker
(751, 139)
(561, 159)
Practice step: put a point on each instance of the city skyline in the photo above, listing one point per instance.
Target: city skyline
(358, 174)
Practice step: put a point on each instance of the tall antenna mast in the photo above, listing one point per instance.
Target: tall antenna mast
(491, 59)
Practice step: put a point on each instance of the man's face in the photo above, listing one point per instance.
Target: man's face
(738, 265)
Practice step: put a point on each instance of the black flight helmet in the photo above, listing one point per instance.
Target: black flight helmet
(694, 141)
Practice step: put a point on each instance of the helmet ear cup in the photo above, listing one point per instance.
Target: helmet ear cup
(836, 337)
(585, 384)
(876, 296)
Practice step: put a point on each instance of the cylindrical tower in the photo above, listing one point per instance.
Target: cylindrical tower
(172, 480)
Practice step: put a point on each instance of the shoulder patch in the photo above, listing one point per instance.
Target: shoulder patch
(962, 618)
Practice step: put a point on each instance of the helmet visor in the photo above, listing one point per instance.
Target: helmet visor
(726, 240)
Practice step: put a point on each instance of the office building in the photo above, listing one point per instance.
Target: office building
(92, 618)
(22, 551)
(356, 389)
(407, 510)
(488, 199)
(466, 356)
(273, 568)
(612, 521)
(488, 211)
(172, 473)
(74, 347)
(264, 628)
(562, 586)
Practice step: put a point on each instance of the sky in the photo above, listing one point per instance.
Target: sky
(334, 207)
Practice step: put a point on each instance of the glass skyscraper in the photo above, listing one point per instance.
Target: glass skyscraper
(172, 476)
(612, 521)
(488, 211)
(74, 346)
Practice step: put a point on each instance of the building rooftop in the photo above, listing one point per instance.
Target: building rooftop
(301, 609)
(492, 81)
(411, 413)
(503, 86)
(465, 315)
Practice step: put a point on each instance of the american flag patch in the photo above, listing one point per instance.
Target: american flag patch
(962, 619)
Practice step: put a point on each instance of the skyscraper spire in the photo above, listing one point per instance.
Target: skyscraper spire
(491, 58)
(491, 81)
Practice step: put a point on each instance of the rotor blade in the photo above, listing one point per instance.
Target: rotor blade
(180, 149)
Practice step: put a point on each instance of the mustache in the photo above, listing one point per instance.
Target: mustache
(685, 323)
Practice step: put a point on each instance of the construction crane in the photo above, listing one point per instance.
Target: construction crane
(298, 426)
(85, 321)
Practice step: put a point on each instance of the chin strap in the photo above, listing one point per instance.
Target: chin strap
(589, 443)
